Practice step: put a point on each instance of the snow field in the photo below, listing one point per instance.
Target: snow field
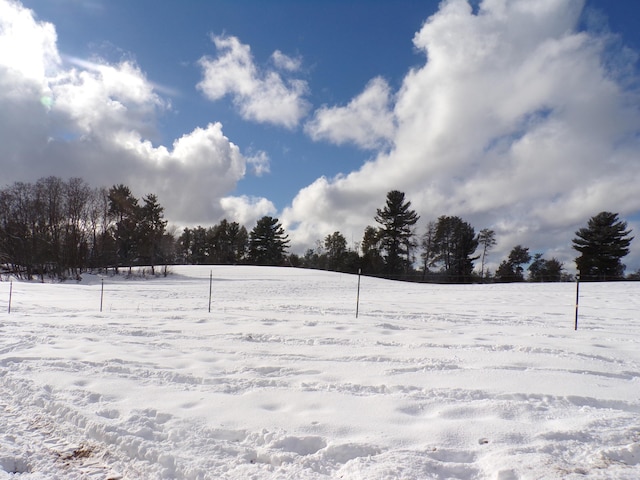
(281, 381)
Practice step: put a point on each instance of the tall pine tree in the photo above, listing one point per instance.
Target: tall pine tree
(151, 229)
(268, 242)
(396, 234)
(124, 209)
(602, 244)
(454, 242)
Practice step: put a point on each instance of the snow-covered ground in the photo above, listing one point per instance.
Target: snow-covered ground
(281, 381)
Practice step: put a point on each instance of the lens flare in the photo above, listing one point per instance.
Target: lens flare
(46, 101)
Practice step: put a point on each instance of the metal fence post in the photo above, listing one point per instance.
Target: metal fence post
(577, 300)
(358, 295)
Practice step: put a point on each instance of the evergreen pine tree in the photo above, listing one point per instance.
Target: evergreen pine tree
(268, 242)
(602, 244)
(397, 220)
(454, 243)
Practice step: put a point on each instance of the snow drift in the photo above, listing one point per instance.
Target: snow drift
(281, 381)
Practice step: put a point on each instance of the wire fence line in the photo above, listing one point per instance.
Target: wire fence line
(231, 293)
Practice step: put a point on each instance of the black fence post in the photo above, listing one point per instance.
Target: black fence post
(358, 295)
(210, 288)
(577, 300)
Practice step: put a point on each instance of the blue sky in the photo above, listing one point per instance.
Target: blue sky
(514, 115)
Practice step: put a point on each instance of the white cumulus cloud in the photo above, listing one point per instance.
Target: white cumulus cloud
(514, 122)
(27, 47)
(261, 95)
(247, 210)
(259, 163)
(95, 120)
(285, 62)
(367, 121)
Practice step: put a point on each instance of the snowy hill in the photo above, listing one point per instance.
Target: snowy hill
(281, 381)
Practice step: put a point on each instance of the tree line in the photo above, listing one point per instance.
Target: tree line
(449, 248)
(59, 229)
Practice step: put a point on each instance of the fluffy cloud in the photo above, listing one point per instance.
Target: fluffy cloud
(37, 54)
(366, 121)
(514, 122)
(247, 210)
(261, 96)
(94, 120)
(203, 163)
(517, 121)
(105, 98)
(285, 62)
(259, 163)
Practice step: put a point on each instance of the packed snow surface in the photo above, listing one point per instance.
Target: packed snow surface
(280, 380)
